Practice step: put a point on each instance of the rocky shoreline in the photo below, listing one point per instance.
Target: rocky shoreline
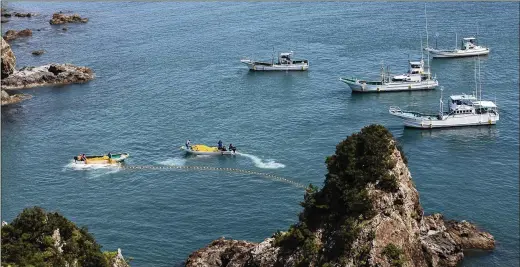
(46, 75)
(394, 232)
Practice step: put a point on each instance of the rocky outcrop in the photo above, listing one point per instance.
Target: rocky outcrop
(52, 74)
(60, 18)
(12, 34)
(394, 233)
(116, 259)
(38, 52)
(8, 99)
(8, 59)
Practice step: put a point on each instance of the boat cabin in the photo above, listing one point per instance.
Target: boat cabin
(462, 104)
(469, 43)
(483, 107)
(416, 67)
(286, 59)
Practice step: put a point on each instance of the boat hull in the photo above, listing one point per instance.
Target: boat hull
(116, 158)
(210, 153)
(448, 121)
(262, 66)
(458, 53)
(360, 87)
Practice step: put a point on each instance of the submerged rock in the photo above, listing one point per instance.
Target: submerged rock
(367, 214)
(12, 34)
(52, 74)
(8, 60)
(60, 18)
(38, 52)
(8, 99)
(22, 15)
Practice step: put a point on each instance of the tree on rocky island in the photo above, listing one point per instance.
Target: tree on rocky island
(40, 238)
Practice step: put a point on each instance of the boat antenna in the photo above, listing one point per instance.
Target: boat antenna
(428, 54)
(456, 41)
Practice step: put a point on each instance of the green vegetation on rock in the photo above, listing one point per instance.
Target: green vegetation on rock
(338, 210)
(40, 238)
(394, 255)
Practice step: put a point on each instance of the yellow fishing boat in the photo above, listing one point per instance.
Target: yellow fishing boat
(105, 159)
(200, 149)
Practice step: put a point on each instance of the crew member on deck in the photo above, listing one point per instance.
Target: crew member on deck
(219, 144)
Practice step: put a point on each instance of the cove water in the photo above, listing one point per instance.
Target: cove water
(168, 72)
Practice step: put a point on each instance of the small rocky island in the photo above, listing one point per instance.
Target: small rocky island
(60, 18)
(366, 214)
(40, 238)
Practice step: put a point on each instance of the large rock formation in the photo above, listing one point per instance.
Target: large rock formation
(8, 59)
(367, 214)
(52, 74)
(12, 34)
(60, 18)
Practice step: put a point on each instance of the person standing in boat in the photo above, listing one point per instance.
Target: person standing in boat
(188, 144)
(109, 155)
(232, 148)
(219, 145)
(84, 158)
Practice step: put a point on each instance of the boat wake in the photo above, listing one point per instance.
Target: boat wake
(96, 170)
(173, 162)
(268, 164)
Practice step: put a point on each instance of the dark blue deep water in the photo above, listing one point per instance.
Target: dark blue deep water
(167, 72)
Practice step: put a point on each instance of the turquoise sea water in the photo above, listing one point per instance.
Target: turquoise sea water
(167, 72)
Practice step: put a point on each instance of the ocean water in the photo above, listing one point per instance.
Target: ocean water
(167, 72)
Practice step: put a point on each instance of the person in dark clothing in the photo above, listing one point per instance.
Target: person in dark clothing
(232, 148)
(219, 144)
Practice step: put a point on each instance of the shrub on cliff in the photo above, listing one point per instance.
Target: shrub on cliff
(341, 206)
(32, 239)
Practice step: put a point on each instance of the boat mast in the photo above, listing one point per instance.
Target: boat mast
(428, 54)
(272, 58)
(441, 111)
(475, 93)
(456, 41)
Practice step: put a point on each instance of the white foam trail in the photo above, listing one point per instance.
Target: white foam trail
(81, 166)
(173, 162)
(267, 164)
(96, 170)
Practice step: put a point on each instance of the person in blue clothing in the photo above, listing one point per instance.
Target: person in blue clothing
(219, 144)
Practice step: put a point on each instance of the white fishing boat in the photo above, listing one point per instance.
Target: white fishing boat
(468, 48)
(208, 150)
(464, 110)
(417, 78)
(285, 63)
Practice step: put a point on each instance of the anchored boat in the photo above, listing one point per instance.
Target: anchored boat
(208, 150)
(285, 62)
(104, 159)
(417, 78)
(468, 48)
(464, 110)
